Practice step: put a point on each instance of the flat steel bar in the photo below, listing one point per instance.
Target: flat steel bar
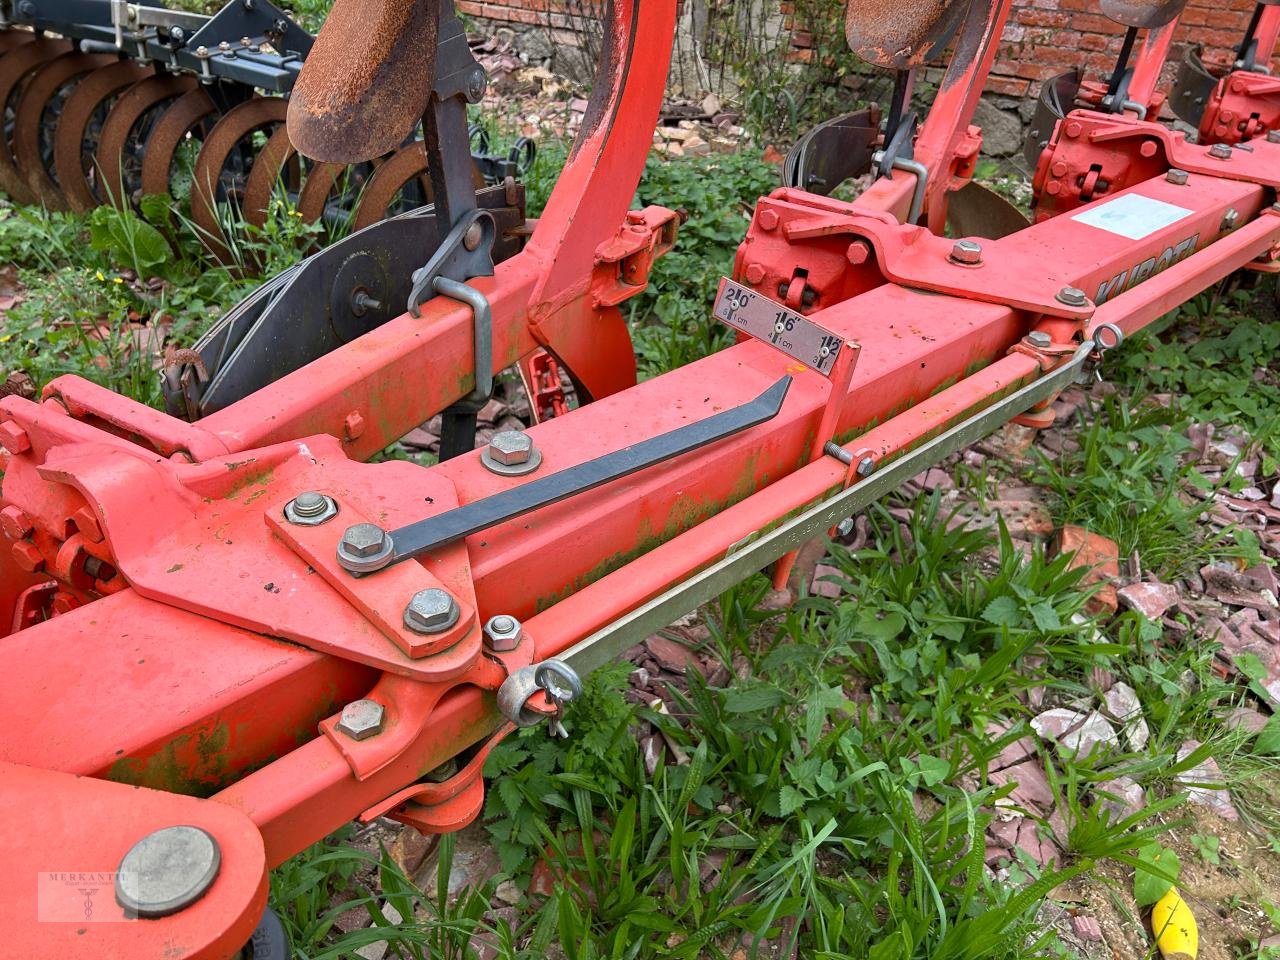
(418, 538)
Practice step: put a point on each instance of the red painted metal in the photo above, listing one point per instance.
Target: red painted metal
(167, 626)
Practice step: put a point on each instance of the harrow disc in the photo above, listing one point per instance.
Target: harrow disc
(15, 66)
(400, 183)
(124, 132)
(322, 179)
(220, 171)
(182, 117)
(78, 137)
(901, 35)
(39, 107)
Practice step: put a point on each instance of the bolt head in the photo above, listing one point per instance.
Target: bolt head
(866, 467)
(28, 556)
(967, 251)
(362, 719)
(1178, 177)
(167, 871)
(510, 447)
(475, 233)
(13, 438)
(1230, 218)
(1273, 136)
(1038, 338)
(1072, 297)
(202, 51)
(364, 539)
(14, 522)
(502, 633)
(1220, 151)
(431, 611)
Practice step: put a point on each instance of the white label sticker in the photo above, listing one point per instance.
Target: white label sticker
(1133, 216)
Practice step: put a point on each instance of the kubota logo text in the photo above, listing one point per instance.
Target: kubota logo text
(1127, 279)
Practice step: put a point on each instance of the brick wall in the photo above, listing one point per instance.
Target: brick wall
(1042, 39)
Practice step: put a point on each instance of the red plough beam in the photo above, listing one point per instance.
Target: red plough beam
(226, 637)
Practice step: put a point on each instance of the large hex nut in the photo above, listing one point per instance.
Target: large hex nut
(511, 453)
(503, 633)
(431, 611)
(310, 509)
(362, 719)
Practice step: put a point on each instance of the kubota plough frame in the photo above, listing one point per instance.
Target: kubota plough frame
(185, 625)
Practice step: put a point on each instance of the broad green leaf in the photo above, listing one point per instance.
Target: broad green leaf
(1003, 612)
(1157, 871)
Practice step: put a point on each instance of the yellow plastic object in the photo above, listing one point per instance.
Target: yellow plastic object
(1175, 927)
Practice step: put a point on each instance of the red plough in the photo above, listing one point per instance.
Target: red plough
(227, 635)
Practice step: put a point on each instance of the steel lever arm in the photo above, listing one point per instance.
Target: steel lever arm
(424, 535)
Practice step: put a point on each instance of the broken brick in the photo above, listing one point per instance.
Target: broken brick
(1151, 599)
(1102, 558)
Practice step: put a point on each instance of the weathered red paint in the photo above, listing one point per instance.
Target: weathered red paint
(168, 628)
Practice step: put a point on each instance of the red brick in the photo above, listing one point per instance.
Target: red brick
(1008, 86)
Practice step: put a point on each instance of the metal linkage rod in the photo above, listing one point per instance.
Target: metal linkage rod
(418, 538)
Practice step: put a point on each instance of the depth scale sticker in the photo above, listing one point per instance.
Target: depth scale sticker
(795, 335)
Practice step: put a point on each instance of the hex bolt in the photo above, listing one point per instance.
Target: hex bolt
(310, 509)
(13, 438)
(362, 303)
(1072, 297)
(502, 633)
(511, 453)
(1220, 151)
(1039, 339)
(1178, 177)
(510, 447)
(1273, 136)
(167, 871)
(14, 522)
(968, 252)
(362, 719)
(431, 611)
(1230, 219)
(364, 539)
(866, 467)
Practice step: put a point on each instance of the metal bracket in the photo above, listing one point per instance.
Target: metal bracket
(483, 334)
(465, 252)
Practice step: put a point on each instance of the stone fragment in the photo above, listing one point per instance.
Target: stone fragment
(1122, 797)
(1005, 832)
(410, 848)
(1242, 718)
(1086, 928)
(1123, 707)
(1206, 786)
(378, 949)
(1032, 788)
(1076, 733)
(1019, 750)
(1151, 599)
(1102, 558)
(671, 656)
(820, 586)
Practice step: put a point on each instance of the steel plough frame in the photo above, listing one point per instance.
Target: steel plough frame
(202, 646)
